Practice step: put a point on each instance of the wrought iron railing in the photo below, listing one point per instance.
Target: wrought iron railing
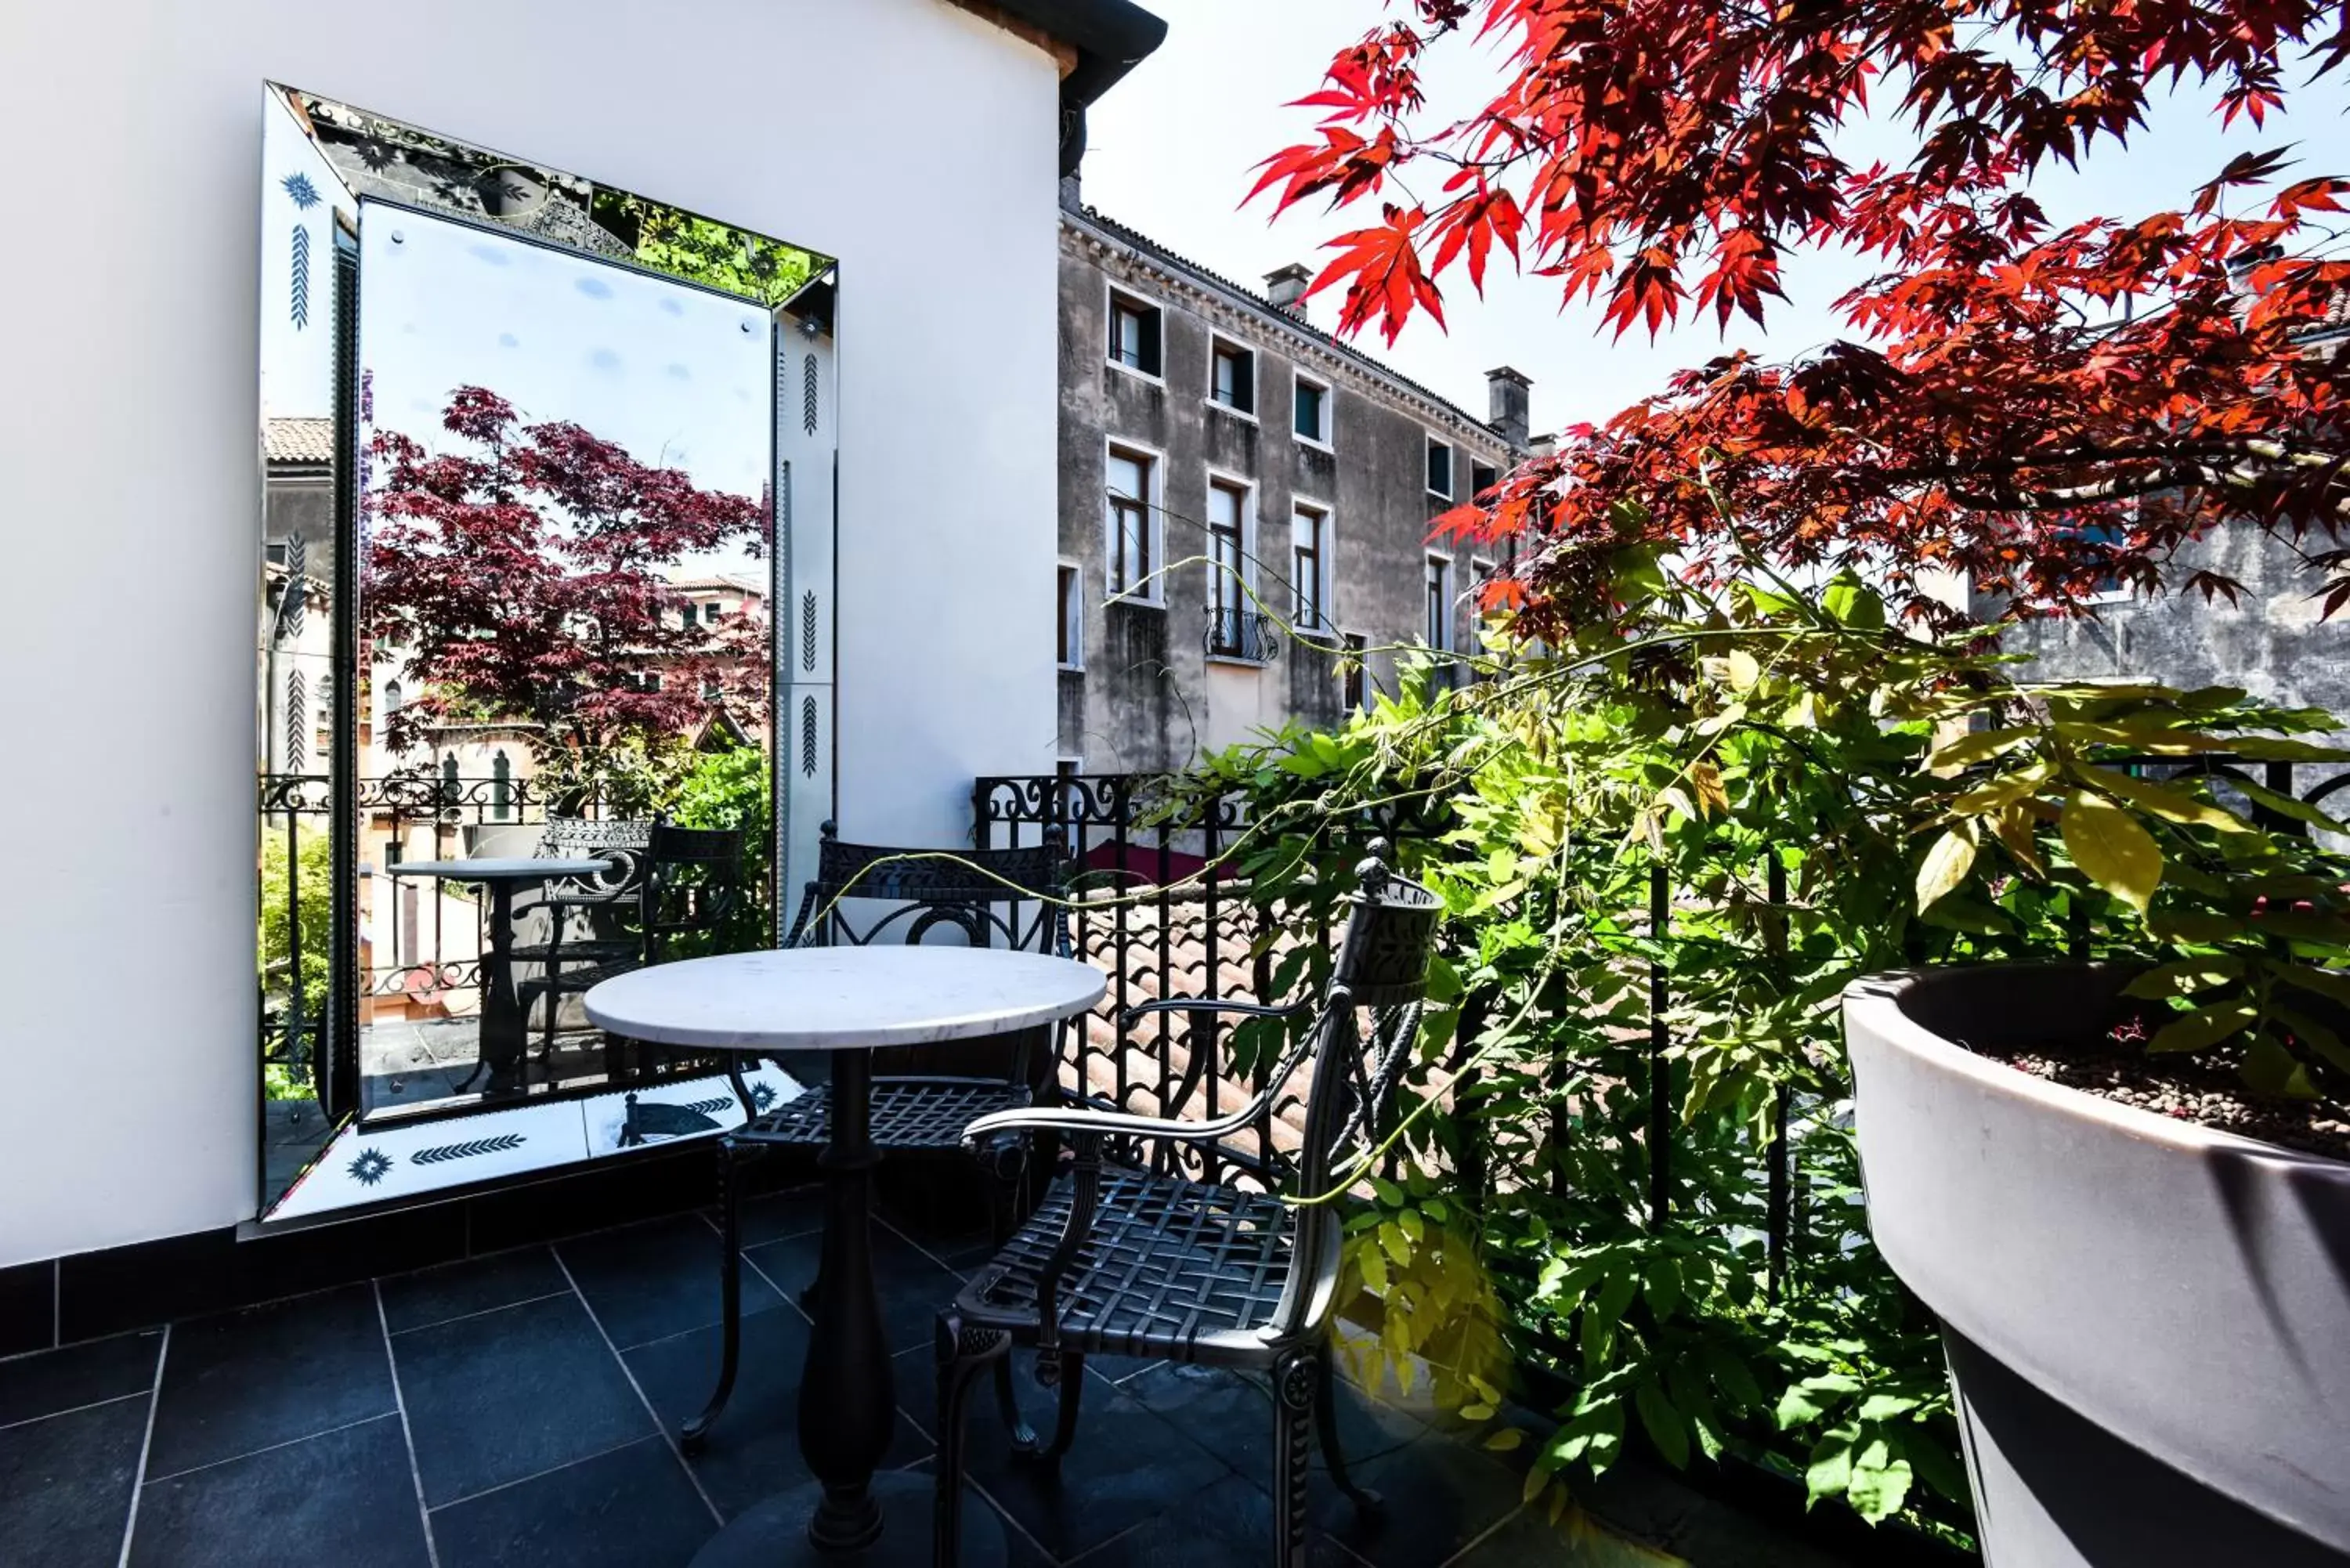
(452, 812)
(1245, 634)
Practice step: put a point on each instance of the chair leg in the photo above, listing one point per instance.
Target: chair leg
(1007, 1402)
(1326, 1420)
(961, 1352)
(1292, 1407)
(1073, 1388)
(695, 1433)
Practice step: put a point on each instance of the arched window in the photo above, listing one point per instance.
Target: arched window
(391, 698)
(501, 785)
(449, 779)
(326, 698)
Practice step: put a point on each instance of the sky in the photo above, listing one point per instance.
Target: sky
(1171, 148)
(678, 376)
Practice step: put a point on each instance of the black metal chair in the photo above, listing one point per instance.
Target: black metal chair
(690, 884)
(1138, 1259)
(919, 1105)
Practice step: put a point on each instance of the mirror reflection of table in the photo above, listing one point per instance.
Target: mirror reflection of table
(848, 1001)
(502, 1032)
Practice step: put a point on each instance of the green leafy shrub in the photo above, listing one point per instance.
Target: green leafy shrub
(1805, 795)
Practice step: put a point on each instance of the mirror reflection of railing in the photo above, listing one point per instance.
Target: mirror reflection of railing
(1242, 634)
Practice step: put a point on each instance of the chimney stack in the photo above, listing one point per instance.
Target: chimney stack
(1073, 193)
(1543, 446)
(1286, 289)
(1506, 402)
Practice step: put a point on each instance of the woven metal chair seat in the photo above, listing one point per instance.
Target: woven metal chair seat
(907, 1113)
(582, 951)
(1170, 1268)
(580, 977)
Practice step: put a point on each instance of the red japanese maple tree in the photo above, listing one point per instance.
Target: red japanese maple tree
(2036, 407)
(521, 580)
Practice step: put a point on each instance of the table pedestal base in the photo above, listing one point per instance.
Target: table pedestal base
(773, 1534)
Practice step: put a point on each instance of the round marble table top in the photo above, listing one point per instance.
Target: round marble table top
(496, 869)
(842, 999)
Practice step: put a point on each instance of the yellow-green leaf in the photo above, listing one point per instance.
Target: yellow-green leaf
(2204, 1027)
(1976, 746)
(1946, 867)
(2165, 801)
(2332, 983)
(1505, 1440)
(2111, 849)
(2286, 806)
(1707, 780)
(1744, 671)
(2185, 976)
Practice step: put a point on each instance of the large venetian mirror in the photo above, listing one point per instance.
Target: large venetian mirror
(546, 529)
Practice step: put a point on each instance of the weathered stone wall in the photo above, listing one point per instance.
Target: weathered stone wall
(2271, 642)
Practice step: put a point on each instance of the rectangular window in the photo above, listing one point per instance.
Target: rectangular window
(1439, 602)
(1070, 647)
(1227, 565)
(1309, 568)
(1231, 377)
(1134, 331)
(1482, 477)
(1129, 503)
(1354, 683)
(711, 689)
(1313, 412)
(1439, 469)
(710, 613)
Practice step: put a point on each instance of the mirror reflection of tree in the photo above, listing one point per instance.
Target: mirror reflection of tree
(531, 578)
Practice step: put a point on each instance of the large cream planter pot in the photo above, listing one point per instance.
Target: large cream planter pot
(2147, 1322)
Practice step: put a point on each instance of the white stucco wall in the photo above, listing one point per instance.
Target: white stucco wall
(909, 138)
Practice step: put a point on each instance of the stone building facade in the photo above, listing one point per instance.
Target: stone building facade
(2270, 641)
(1243, 497)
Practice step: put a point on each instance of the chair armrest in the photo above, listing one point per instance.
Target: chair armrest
(1095, 1124)
(1214, 1004)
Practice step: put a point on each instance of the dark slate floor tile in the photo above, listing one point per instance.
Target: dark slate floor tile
(755, 1448)
(1232, 1414)
(28, 1302)
(773, 1218)
(1229, 1525)
(648, 1281)
(1128, 1465)
(505, 1394)
(86, 1374)
(477, 1284)
(630, 1507)
(1530, 1539)
(1440, 1495)
(238, 1381)
(913, 1287)
(344, 1498)
(65, 1485)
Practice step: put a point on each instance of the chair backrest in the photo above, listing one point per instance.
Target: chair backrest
(694, 880)
(979, 892)
(1359, 1045)
(620, 842)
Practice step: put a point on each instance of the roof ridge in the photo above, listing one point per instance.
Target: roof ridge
(1331, 341)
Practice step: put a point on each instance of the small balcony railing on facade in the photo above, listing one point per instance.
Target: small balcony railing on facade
(1247, 635)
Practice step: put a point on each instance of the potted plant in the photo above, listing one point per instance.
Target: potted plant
(2124, 1186)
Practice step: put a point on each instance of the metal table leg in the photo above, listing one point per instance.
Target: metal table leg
(847, 1396)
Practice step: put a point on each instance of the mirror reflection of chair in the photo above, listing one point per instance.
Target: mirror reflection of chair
(585, 919)
(1163, 1262)
(681, 899)
(923, 1097)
